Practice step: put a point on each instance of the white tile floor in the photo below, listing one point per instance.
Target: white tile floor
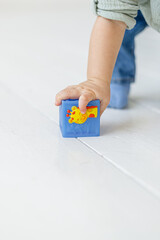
(67, 189)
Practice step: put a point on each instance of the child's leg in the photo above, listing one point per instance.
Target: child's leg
(124, 70)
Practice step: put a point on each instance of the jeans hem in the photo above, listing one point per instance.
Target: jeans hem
(122, 80)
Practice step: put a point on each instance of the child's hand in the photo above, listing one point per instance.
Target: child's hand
(86, 92)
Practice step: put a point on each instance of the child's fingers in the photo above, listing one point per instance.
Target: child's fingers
(103, 106)
(67, 93)
(84, 99)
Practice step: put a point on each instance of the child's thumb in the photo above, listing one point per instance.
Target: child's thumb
(84, 100)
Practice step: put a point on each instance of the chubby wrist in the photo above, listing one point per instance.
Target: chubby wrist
(98, 79)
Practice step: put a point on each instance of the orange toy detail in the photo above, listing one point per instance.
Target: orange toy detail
(77, 117)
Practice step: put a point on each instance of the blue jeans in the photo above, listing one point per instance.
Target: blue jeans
(125, 67)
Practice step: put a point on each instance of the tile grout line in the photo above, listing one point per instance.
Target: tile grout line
(140, 182)
(154, 110)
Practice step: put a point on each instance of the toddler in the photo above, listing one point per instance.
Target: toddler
(111, 60)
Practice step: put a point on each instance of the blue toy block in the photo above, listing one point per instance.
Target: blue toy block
(75, 124)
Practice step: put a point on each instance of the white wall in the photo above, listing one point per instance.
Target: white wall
(32, 2)
(29, 4)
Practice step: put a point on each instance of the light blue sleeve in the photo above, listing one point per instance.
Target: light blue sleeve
(122, 10)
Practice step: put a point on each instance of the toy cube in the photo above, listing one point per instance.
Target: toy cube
(75, 124)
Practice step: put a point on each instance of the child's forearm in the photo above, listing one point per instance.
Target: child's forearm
(105, 42)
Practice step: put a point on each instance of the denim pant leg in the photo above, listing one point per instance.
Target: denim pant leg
(125, 67)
